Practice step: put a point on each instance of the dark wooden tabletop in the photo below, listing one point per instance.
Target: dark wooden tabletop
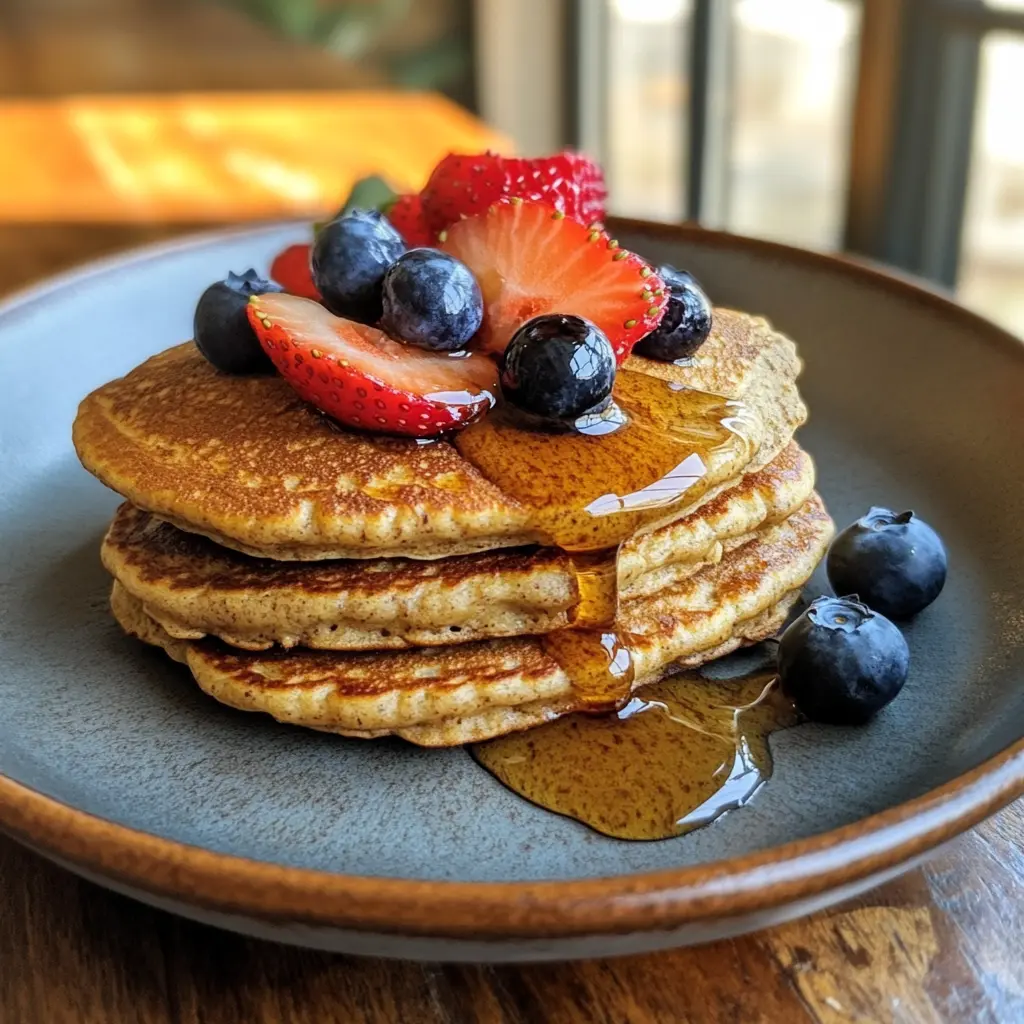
(943, 943)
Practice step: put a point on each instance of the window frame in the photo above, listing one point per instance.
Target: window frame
(912, 127)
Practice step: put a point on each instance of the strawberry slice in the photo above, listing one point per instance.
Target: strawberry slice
(290, 270)
(406, 216)
(530, 259)
(464, 186)
(361, 377)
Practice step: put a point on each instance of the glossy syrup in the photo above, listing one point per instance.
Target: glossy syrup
(646, 460)
(675, 757)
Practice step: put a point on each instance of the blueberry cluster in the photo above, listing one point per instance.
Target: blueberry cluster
(424, 297)
(843, 660)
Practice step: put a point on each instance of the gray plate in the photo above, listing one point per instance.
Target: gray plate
(911, 407)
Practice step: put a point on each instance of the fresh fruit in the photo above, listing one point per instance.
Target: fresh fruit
(290, 269)
(370, 193)
(431, 300)
(530, 259)
(406, 216)
(676, 278)
(221, 327)
(687, 321)
(841, 662)
(896, 564)
(350, 257)
(361, 377)
(558, 367)
(465, 186)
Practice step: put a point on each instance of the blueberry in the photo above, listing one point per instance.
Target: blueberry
(841, 662)
(677, 279)
(895, 564)
(686, 323)
(221, 328)
(558, 367)
(350, 257)
(431, 300)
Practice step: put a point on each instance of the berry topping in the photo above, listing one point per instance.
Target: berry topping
(431, 300)
(361, 377)
(677, 279)
(221, 328)
(558, 367)
(464, 186)
(531, 260)
(896, 564)
(687, 321)
(350, 257)
(290, 270)
(406, 216)
(840, 662)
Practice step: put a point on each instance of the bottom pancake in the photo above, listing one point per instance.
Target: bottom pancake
(445, 696)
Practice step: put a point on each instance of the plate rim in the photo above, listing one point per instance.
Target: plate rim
(641, 902)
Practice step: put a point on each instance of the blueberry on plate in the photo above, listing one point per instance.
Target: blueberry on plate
(221, 327)
(840, 662)
(558, 367)
(432, 300)
(686, 323)
(895, 563)
(350, 256)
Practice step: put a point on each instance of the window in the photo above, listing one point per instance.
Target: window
(888, 127)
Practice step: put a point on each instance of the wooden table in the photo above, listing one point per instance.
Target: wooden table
(942, 944)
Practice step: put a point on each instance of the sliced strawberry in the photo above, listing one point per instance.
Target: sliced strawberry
(530, 260)
(290, 270)
(464, 186)
(362, 378)
(593, 192)
(406, 216)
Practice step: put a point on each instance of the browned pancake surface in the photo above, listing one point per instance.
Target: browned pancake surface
(244, 461)
(446, 695)
(194, 587)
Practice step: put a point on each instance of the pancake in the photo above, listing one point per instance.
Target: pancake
(445, 696)
(245, 462)
(193, 587)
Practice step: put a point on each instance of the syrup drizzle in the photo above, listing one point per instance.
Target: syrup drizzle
(676, 758)
(643, 462)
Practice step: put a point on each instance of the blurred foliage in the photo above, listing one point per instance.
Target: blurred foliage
(365, 32)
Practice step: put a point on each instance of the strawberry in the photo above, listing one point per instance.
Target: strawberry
(463, 186)
(290, 269)
(406, 216)
(530, 259)
(361, 377)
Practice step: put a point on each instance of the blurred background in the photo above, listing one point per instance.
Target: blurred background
(889, 128)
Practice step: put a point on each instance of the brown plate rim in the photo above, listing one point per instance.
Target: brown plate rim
(652, 901)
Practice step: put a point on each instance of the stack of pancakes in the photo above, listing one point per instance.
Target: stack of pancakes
(370, 585)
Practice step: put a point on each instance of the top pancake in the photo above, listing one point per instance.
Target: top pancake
(244, 461)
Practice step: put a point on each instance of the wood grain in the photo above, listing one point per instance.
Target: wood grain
(941, 944)
(203, 156)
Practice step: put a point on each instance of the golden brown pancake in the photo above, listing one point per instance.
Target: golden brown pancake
(193, 587)
(444, 696)
(245, 462)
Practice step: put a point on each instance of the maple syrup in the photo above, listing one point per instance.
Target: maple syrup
(646, 459)
(675, 757)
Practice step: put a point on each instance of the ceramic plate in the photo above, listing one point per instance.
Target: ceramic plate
(115, 765)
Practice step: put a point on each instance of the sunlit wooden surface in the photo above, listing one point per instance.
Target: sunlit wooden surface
(217, 157)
